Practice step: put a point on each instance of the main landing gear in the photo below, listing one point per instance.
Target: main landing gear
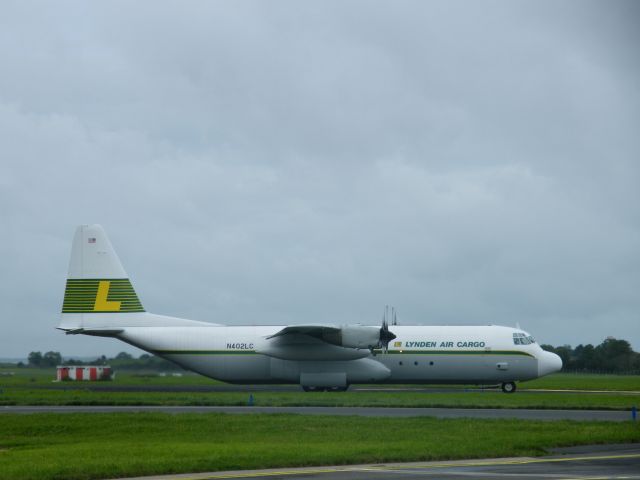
(324, 389)
(509, 387)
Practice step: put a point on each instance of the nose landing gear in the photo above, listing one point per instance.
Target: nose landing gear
(509, 387)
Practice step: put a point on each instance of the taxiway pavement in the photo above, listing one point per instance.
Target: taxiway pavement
(606, 461)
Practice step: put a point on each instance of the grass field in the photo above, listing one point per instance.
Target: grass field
(573, 381)
(34, 387)
(114, 445)
(14, 396)
(85, 446)
(565, 381)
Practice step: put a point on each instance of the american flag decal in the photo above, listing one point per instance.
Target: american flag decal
(91, 240)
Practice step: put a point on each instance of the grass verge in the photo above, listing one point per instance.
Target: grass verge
(34, 387)
(85, 447)
(487, 399)
(584, 381)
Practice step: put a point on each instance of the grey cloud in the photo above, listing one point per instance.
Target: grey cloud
(285, 163)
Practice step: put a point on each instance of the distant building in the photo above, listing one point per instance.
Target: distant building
(85, 372)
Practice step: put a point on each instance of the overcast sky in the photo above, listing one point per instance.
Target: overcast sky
(294, 162)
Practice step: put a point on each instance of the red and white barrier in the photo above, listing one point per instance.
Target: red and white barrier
(83, 373)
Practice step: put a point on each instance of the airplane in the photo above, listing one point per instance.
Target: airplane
(100, 300)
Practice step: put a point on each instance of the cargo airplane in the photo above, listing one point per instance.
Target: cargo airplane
(99, 300)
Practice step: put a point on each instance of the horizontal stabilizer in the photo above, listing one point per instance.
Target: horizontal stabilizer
(97, 332)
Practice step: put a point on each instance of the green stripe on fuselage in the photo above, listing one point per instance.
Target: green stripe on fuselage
(205, 352)
(456, 352)
(377, 352)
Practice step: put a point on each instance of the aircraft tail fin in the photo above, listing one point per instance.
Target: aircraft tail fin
(96, 282)
(98, 289)
(99, 298)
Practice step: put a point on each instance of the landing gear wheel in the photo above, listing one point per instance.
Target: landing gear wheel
(308, 388)
(509, 387)
(338, 389)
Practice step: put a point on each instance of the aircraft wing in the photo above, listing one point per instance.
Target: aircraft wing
(347, 336)
(318, 342)
(326, 333)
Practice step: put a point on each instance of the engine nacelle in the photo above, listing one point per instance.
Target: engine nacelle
(356, 336)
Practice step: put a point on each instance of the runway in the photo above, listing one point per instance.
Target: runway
(492, 413)
(607, 461)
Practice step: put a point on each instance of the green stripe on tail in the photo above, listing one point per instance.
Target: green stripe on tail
(100, 296)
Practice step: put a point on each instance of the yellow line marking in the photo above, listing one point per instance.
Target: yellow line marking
(525, 461)
(436, 465)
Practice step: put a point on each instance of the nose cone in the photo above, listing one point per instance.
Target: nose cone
(548, 363)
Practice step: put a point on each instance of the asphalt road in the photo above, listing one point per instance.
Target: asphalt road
(526, 414)
(608, 461)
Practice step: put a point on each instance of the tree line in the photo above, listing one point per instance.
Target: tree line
(122, 361)
(611, 356)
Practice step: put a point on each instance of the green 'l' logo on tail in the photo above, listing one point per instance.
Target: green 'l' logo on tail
(97, 295)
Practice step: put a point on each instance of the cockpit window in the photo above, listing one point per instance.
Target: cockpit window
(520, 338)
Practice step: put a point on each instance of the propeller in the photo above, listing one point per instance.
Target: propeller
(385, 335)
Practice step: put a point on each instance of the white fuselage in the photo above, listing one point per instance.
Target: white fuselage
(418, 354)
